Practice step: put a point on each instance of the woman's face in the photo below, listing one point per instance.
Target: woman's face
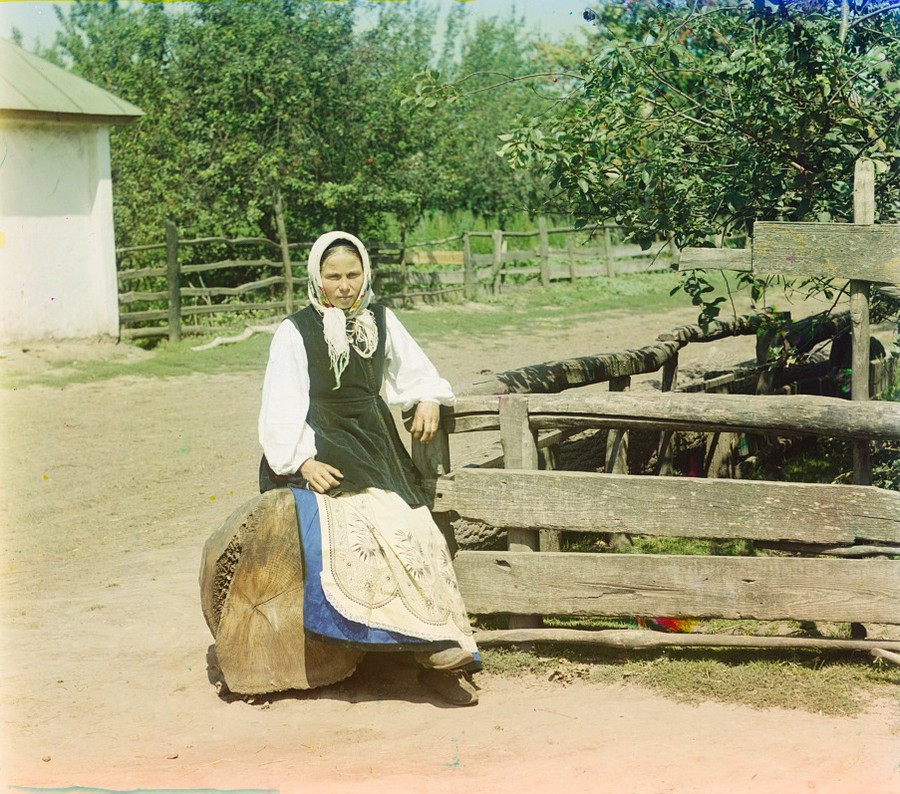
(342, 278)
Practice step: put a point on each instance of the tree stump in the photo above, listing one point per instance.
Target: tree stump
(251, 591)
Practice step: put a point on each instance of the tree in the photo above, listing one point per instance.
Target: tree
(693, 119)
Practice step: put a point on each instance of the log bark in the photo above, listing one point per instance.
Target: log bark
(251, 592)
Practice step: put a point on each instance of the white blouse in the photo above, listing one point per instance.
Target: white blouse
(287, 440)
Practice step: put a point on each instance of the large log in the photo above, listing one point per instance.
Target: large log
(251, 591)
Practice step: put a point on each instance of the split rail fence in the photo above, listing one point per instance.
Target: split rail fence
(842, 525)
(156, 301)
(840, 530)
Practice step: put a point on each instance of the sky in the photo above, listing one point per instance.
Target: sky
(554, 18)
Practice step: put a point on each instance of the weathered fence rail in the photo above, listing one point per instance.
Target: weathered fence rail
(534, 503)
(398, 277)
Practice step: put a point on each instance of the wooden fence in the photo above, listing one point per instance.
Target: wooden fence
(836, 529)
(155, 301)
(842, 525)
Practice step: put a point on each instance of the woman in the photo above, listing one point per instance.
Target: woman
(378, 571)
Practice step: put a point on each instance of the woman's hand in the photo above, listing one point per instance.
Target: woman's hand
(425, 422)
(320, 476)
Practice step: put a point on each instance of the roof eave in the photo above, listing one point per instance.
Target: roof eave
(88, 118)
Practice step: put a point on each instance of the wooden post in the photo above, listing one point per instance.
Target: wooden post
(570, 254)
(608, 249)
(468, 269)
(432, 460)
(173, 280)
(285, 253)
(497, 265)
(719, 459)
(665, 455)
(520, 451)
(544, 251)
(404, 276)
(863, 213)
(617, 460)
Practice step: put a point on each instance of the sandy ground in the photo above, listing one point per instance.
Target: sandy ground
(109, 491)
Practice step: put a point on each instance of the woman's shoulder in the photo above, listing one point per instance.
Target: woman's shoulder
(303, 317)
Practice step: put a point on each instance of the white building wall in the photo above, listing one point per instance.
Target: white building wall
(57, 249)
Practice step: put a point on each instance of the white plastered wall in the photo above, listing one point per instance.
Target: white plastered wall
(57, 248)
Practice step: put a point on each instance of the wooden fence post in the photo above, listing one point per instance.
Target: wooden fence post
(544, 251)
(863, 213)
(432, 460)
(173, 280)
(468, 268)
(497, 264)
(570, 254)
(404, 275)
(617, 459)
(607, 247)
(285, 253)
(666, 454)
(520, 451)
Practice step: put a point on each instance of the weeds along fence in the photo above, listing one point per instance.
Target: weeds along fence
(828, 537)
(185, 286)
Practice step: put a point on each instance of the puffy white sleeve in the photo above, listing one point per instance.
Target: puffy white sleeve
(410, 377)
(287, 440)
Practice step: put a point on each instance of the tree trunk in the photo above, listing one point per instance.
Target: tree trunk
(251, 591)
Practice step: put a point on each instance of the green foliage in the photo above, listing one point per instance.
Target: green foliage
(243, 100)
(830, 460)
(695, 119)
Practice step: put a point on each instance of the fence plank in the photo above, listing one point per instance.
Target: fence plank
(710, 413)
(230, 264)
(715, 259)
(223, 308)
(142, 272)
(791, 415)
(838, 250)
(676, 506)
(636, 638)
(736, 588)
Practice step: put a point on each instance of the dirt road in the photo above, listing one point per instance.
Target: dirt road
(109, 491)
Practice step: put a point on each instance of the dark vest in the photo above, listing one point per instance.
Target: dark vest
(354, 428)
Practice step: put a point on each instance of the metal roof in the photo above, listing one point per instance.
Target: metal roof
(33, 88)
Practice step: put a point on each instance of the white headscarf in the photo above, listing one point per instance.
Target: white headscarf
(354, 327)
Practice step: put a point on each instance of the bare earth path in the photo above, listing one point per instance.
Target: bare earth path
(109, 491)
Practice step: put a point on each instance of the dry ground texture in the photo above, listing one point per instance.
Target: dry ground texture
(109, 490)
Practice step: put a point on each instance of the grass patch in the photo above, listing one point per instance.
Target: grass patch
(645, 544)
(525, 308)
(832, 684)
(167, 360)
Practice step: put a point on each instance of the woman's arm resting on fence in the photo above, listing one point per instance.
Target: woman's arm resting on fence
(287, 440)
